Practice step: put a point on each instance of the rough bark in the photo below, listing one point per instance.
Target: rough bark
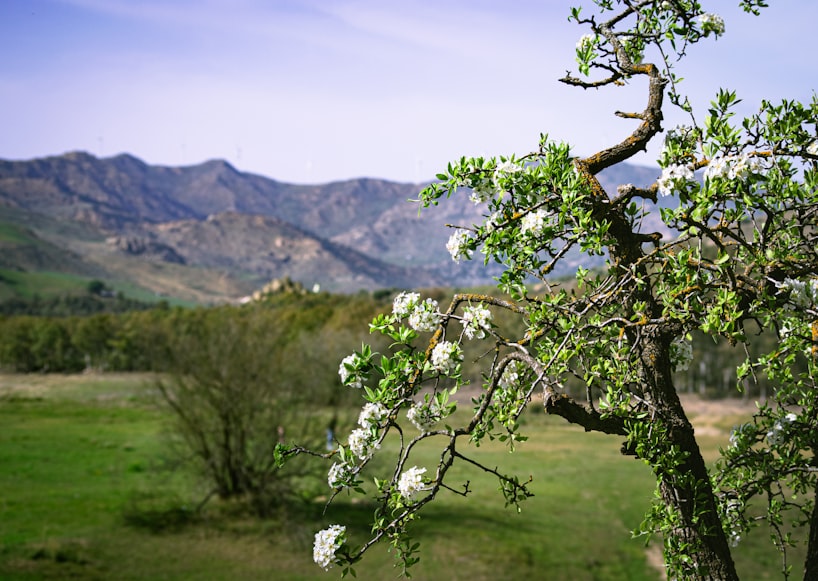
(693, 498)
(811, 561)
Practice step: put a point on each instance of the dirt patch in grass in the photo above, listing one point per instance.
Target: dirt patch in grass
(81, 386)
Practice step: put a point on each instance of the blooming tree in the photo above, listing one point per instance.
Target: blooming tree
(743, 261)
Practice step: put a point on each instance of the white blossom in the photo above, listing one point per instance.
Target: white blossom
(445, 356)
(458, 245)
(586, 40)
(711, 23)
(476, 319)
(671, 176)
(327, 542)
(776, 434)
(732, 517)
(533, 222)
(812, 148)
(787, 327)
(507, 167)
(681, 353)
(801, 294)
(734, 167)
(404, 303)
(735, 437)
(482, 192)
(740, 433)
(425, 317)
(338, 474)
(424, 416)
(510, 379)
(350, 377)
(493, 221)
(735, 539)
(411, 482)
(363, 443)
(743, 165)
(719, 167)
(372, 415)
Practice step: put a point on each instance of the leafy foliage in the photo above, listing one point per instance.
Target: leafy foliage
(743, 264)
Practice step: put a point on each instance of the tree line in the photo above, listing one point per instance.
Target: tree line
(141, 339)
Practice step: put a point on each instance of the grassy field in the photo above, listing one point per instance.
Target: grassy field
(88, 491)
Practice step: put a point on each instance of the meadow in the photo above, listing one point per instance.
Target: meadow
(89, 489)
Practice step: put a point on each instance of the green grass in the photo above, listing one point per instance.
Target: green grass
(87, 492)
(44, 284)
(14, 233)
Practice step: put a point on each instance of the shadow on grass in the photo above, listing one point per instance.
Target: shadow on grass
(55, 559)
(159, 513)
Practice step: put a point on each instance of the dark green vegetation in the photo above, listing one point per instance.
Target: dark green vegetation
(140, 338)
(91, 491)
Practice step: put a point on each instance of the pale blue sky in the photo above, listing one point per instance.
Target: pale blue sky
(321, 90)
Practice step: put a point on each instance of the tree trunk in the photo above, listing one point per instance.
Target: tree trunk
(811, 562)
(685, 487)
(699, 527)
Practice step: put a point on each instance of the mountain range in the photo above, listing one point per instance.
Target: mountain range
(210, 233)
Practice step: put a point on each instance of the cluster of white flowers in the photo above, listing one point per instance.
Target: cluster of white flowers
(363, 443)
(424, 416)
(533, 222)
(732, 516)
(734, 167)
(411, 482)
(586, 40)
(485, 185)
(493, 221)
(776, 435)
(671, 177)
(801, 294)
(372, 415)
(425, 316)
(681, 353)
(507, 167)
(812, 148)
(510, 379)
(327, 542)
(476, 319)
(404, 304)
(446, 356)
(458, 245)
(711, 23)
(787, 327)
(737, 434)
(339, 474)
(482, 192)
(350, 377)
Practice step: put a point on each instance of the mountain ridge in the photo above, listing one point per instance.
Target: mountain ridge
(343, 236)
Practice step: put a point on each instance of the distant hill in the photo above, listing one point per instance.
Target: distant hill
(209, 232)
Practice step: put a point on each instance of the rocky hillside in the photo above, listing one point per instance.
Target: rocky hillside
(155, 226)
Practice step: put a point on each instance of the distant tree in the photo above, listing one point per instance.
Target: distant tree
(234, 393)
(91, 338)
(744, 261)
(96, 287)
(15, 344)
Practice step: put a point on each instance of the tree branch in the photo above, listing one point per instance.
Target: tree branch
(574, 412)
